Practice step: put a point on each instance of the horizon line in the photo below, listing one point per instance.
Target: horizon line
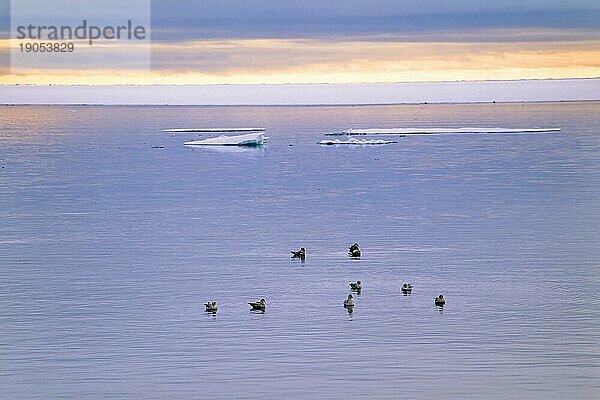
(425, 103)
(297, 83)
(515, 91)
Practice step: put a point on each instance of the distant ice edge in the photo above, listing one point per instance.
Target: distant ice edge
(214, 130)
(437, 131)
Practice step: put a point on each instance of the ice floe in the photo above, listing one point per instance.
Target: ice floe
(250, 139)
(354, 141)
(215, 130)
(437, 131)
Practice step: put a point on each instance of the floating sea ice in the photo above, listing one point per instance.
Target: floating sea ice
(250, 139)
(437, 131)
(353, 141)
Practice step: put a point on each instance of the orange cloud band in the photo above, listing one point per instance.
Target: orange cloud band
(312, 61)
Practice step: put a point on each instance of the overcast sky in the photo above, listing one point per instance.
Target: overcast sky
(341, 19)
(345, 41)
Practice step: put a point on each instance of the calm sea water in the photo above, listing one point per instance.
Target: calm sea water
(109, 248)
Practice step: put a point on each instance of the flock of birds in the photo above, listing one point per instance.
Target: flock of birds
(353, 252)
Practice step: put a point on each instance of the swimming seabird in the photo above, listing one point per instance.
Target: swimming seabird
(406, 288)
(357, 286)
(301, 254)
(354, 251)
(211, 307)
(440, 301)
(349, 302)
(259, 305)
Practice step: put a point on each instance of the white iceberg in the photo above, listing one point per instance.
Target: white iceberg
(250, 139)
(354, 141)
(436, 131)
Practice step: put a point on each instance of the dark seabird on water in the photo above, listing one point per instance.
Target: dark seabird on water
(440, 301)
(211, 307)
(301, 254)
(349, 302)
(354, 250)
(260, 305)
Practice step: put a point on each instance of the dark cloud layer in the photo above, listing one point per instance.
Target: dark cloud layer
(350, 19)
(334, 19)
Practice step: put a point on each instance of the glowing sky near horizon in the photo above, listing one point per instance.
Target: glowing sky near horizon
(250, 41)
